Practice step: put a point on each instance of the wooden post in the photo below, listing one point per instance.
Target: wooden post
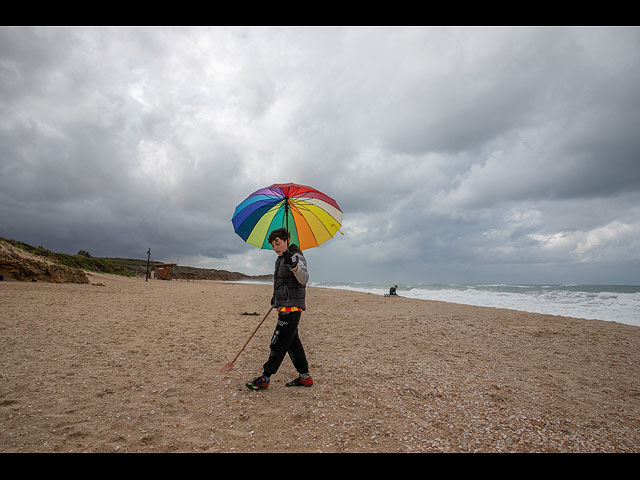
(148, 257)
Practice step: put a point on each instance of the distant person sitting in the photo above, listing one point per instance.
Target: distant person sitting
(392, 290)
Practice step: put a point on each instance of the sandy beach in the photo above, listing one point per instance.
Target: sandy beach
(124, 365)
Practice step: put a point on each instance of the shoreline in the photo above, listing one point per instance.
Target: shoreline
(482, 296)
(124, 365)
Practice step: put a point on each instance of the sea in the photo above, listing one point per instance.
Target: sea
(615, 303)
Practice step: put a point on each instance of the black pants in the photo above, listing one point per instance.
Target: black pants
(286, 340)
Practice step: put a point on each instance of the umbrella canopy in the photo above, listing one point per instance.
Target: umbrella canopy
(310, 216)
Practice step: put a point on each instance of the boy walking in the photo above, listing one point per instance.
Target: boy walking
(289, 290)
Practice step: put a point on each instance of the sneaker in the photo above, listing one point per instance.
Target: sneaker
(259, 383)
(300, 382)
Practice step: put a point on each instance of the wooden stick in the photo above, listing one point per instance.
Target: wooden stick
(230, 365)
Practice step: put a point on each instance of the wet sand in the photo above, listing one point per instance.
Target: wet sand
(124, 365)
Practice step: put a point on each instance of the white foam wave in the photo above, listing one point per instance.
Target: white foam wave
(591, 303)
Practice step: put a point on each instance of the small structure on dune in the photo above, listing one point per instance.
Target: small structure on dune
(165, 271)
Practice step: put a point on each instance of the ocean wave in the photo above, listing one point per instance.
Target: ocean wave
(604, 302)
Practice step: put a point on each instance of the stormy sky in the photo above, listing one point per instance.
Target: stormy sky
(486, 155)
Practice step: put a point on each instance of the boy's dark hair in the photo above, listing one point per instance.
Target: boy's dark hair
(280, 233)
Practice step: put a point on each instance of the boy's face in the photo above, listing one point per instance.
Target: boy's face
(279, 245)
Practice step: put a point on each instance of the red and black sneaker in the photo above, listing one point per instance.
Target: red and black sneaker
(259, 383)
(300, 382)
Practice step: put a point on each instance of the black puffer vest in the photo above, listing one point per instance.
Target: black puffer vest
(287, 291)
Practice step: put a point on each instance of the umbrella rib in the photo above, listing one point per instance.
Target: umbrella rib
(277, 193)
(273, 220)
(312, 232)
(315, 239)
(309, 194)
(299, 207)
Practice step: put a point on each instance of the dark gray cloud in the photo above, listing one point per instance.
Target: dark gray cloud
(456, 154)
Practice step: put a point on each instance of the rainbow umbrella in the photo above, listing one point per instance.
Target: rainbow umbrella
(310, 216)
